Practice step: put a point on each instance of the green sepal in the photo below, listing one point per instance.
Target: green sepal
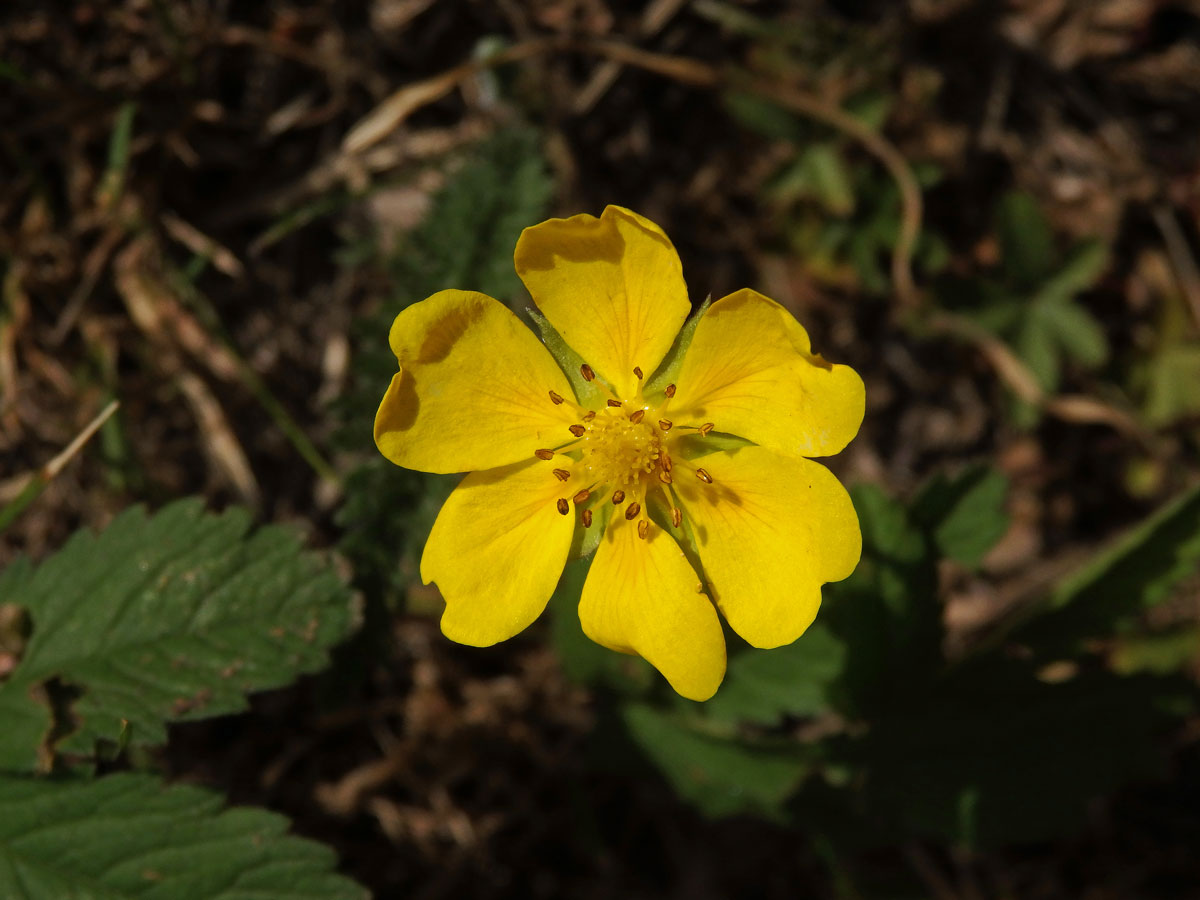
(587, 393)
(669, 368)
(586, 540)
(694, 446)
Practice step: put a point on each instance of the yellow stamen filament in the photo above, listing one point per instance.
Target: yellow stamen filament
(643, 528)
(586, 516)
(581, 497)
(544, 454)
(665, 424)
(556, 398)
(577, 430)
(562, 474)
(632, 510)
(637, 415)
(563, 506)
(704, 476)
(586, 371)
(617, 497)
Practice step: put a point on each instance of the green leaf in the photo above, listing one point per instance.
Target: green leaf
(994, 755)
(1077, 332)
(1026, 242)
(170, 617)
(964, 515)
(127, 836)
(1138, 571)
(1085, 264)
(1171, 379)
(719, 775)
(765, 685)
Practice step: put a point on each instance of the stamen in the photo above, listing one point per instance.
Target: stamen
(666, 463)
(581, 497)
(586, 515)
(676, 516)
(563, 506)
(670, 391)
(699, 588)
(636, 416)
(544, 454)
(617, 497)
(665, 424)
(589, 415)
(637, 370)
(704, 476)
(555, 398)
(577, 430)
(562, 474)
(643, 528)
(664, 476)
(614, 403)
(586, 371)
(632, 510)
(707, 427)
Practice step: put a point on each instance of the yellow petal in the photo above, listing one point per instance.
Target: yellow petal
(750, 370)
(473, 391)
(771, 529)
(497, 550)
(612, 287)
(641, 597)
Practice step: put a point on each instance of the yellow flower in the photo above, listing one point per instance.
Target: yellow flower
(629, 455)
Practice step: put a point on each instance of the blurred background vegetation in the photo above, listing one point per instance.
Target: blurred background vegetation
(211, 210)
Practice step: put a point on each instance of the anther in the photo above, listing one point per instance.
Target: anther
(704, 476)
(643, 528)
(562, 474)
(618, 496)
(637, 415)
(581, 497)
(670, 391)
(707, 427)
(589, 415)
(586, 515)
(632, 510)
(577, 430)
(665, 424)
(563, 506)
(666, 463)
(664, 476)
(544, 454)
(637, 370)
(616, 403)
(676, 516)
(586, 371)
(555, 398)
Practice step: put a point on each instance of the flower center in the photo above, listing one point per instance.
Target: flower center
(618, 450)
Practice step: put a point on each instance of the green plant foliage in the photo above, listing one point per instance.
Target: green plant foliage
(1107, 594)
(162, 618)
(466, 242)
(128, 836)
(719, 774)
(1168, 380)
(766, 685)
(1030, 302)
(964, 515)
(995, 755)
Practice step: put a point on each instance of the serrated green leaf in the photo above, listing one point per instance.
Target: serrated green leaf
(175, 616)
(720, 776)
(127, 836)
(765, 685)
(1136, 572)
(965, 514)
